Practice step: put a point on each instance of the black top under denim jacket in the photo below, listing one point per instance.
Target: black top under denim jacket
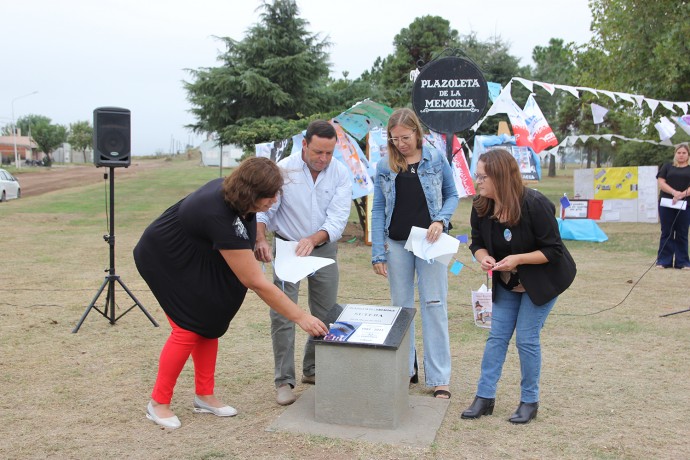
(537, 230)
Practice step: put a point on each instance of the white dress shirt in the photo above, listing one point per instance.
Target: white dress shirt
(307, 206)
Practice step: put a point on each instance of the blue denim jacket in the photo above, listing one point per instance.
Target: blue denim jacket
(438, 184)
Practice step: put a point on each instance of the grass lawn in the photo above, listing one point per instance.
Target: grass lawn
(615, 380)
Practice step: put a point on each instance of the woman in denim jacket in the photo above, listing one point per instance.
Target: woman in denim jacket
(414, 186)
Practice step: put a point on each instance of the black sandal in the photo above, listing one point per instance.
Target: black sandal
(438, 393)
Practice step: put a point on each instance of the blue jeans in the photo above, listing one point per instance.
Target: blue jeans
(432, 284)
(514, 311)
(674, 237)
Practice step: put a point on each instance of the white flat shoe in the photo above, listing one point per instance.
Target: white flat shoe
(202, 407)
(169, 422)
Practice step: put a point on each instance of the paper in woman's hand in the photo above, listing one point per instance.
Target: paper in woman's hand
(442, 250)
(668, 203)
(292, 268)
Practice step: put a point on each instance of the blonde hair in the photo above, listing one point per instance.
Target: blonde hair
(684, 145)
(408, 119)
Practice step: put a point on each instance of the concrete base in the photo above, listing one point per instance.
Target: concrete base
(362, 386)
(417, 427)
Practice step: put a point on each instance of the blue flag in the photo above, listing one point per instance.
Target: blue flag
(456, 267)
(565, 202)
(462, 238)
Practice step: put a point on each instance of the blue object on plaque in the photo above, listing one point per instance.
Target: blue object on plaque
(581, 230)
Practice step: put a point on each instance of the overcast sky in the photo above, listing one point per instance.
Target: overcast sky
(84, 54)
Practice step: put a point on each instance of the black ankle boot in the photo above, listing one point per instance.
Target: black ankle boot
(480, 406)
(524, 413)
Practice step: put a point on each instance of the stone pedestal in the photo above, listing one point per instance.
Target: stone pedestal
(363, 384)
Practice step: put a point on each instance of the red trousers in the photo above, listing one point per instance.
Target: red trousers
(174, 355)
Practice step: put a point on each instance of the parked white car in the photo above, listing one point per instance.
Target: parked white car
(9, 186)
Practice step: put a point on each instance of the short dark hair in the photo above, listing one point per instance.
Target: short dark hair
(254, 179)
(320, 128)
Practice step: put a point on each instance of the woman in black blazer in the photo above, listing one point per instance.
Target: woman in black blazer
(515, 235)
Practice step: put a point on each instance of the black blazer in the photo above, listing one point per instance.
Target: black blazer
(537, 230)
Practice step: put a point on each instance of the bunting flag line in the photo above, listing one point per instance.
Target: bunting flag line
(573, 140)
(505, 104)
(613, 95)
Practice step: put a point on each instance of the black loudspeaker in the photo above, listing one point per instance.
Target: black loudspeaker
(111, 137)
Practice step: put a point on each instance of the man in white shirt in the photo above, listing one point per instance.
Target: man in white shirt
(312, 210)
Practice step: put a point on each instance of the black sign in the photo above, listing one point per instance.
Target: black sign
(450, 94)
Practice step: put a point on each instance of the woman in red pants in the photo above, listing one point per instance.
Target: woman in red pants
(198, 260)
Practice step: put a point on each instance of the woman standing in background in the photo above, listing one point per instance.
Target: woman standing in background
(674, 184)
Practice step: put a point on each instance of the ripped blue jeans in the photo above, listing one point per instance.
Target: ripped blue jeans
(432, 285)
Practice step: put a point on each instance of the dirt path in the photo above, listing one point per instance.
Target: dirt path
(43, 180)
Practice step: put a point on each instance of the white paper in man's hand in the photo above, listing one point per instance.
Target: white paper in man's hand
(442, 250)
(292, 268)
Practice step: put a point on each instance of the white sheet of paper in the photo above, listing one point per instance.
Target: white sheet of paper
(292, 268)
(442, 250)
(668, 203)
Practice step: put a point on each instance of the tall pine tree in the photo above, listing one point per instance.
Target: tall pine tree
(277, 70)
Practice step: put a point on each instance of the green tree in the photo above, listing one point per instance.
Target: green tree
(48, 137)
(645, 46)
(80, 136)
(637, 48)
(419, 43)
(27, 123)
(278, 70)
(493, 57)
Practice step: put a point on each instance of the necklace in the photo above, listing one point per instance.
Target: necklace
(413, 167)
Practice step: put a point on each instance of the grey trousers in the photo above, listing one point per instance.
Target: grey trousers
(322, 296)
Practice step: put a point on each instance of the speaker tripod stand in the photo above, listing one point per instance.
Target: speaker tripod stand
(108, 310)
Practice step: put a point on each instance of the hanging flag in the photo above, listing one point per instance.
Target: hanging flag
(547, 86)
(526, 83)
(540, 133)
(666, 129)
(461, 171)
(348, 151)
(456, 267)
(519, 125)
(565, 202)
(494, 90)
(598, 113)
(652, 103)
(274, 150)
(683, 122)
(668, 105)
